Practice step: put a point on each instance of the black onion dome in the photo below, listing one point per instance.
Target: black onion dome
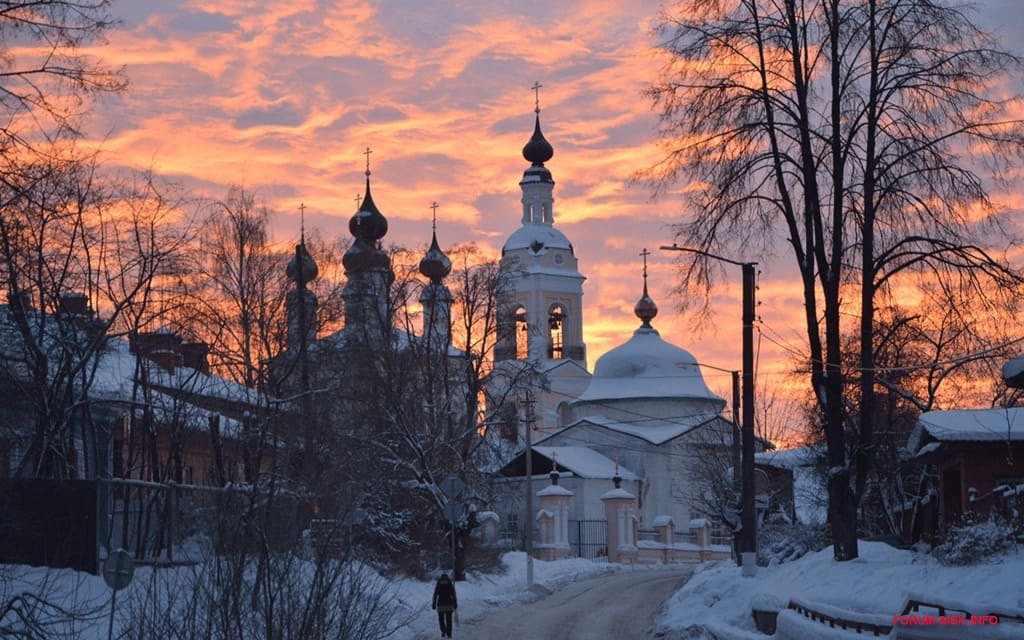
(309, 268)
(645, 308)
(368, 223)
(357, 257)
(435, 264)
(363, 256)
(538, 150)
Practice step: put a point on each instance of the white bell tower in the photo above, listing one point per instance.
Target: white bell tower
(542, 310)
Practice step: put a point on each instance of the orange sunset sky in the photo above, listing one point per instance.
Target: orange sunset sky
(283, 96)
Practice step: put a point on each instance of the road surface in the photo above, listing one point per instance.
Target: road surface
(614, 607)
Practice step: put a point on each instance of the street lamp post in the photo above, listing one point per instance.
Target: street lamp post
(748, 518)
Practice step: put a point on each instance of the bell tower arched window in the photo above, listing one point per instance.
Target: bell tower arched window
(521, 333)
(556, 326)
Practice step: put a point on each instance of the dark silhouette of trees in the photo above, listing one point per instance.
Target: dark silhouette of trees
(863, 135)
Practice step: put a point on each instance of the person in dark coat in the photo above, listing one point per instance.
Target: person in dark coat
(445, 602)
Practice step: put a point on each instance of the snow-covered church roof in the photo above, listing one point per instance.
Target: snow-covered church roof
(647, 366)
(656, 431)
(537, 237)
(583, 462)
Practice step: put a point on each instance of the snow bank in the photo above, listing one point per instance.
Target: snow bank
(878, 582)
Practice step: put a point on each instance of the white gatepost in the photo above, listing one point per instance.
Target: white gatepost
(555, 501)
(618, 510)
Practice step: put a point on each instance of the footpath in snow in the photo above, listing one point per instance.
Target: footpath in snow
(481, 593)
(880, 581)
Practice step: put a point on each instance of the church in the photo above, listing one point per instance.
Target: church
(643, 415)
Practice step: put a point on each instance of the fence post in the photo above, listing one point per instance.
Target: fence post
(99, 525)
(172, 501)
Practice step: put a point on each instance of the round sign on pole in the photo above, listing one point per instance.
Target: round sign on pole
(118, 569)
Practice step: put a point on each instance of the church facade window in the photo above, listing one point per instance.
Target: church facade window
(556, 332)
(521, 333)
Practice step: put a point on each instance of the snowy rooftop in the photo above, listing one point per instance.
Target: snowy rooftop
(533, 234)
(116, 372)
(583, 462)
(788, 458)
(652, 430)
(647, 367)
(968, 425)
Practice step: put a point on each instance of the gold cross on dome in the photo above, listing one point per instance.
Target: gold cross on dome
(433, 207)
(302, 221)
(367, 154)
(644, 254)
(536, 96)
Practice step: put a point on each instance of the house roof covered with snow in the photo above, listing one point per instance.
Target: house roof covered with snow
(788, 458)
(116, 371)
(968, 425)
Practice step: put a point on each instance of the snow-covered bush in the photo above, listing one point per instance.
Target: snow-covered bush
(973, 541)
(779, 542)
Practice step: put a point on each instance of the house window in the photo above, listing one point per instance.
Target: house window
(521, 334)
(556, 322)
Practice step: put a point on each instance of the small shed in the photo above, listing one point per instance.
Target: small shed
(978, 455)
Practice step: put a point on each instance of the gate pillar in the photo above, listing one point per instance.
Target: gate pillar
(555, 501)
(618, 509)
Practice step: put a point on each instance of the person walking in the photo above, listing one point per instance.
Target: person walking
(445, 602)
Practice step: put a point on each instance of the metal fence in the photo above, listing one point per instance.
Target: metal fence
(172, 523)
(589, 538)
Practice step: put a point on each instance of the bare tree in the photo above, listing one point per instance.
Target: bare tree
(79, 256)
(856, 132)
(47, 75)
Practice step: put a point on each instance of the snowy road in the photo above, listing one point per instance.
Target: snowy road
(615, 607)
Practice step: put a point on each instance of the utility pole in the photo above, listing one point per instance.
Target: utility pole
(528, 419)
(748, 516)
(737, 481)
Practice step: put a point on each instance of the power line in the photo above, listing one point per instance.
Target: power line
(930, 365)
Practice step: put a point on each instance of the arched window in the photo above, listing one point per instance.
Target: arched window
(521, 333)
(556, 322)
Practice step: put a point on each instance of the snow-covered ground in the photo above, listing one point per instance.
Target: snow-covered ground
(88, 596)
(717, 597)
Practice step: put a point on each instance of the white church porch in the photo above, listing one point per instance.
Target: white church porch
(585, 472)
